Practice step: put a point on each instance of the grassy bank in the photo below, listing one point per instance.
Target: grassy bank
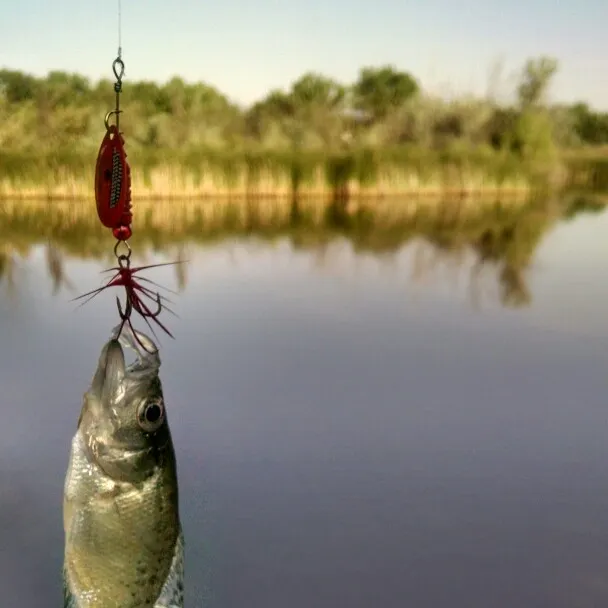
(587, 169)
(381, 136)
(206, 174)
(476, 174)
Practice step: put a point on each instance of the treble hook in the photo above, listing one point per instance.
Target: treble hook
(126, 315)
(159, 309)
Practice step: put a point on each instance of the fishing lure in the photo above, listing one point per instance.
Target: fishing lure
(112, 171)
(114, 209)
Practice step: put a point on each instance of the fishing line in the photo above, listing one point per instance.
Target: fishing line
(119, 29)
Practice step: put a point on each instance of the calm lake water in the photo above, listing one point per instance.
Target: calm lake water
(351, 430)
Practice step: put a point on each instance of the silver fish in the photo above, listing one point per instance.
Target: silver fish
(124, 546)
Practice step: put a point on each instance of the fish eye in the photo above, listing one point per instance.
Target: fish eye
(150, 416)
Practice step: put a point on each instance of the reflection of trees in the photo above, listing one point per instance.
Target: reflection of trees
(515, 292)
(429, 256)
(491, 249)
(512, 248)
(8, 260)
(428, 261)
(181, 274)
(501, 249)
(11, 266)
(56, 267)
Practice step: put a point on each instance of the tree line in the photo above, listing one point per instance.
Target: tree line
(385, 107)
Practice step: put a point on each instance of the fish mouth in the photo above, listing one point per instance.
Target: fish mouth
(145, 349)
(110, 373)
(113, 373)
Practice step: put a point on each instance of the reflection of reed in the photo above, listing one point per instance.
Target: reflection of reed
(482, 243)
(77, 221)
(430, 262)
(503, 250)
(181, 274)
(332, 257)
(480, 283)
(429, 259)
(8, 263)
(56, 267)
(515, 292)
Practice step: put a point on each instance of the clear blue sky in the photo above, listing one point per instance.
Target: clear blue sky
(246, 47)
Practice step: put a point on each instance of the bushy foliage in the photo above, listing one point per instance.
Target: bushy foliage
(384, 108)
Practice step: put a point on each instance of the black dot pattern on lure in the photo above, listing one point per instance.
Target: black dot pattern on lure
(116, 178)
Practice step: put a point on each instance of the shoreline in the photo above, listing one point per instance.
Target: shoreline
(179, 185)
(387, 190)
(438, 195)
(360, 175)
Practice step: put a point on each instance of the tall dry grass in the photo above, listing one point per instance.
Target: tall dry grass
(351, 175)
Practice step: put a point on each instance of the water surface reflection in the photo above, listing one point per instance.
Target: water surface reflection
(350, 429)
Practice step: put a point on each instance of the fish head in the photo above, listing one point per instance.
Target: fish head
(123, 421)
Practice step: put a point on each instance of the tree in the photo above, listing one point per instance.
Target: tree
(151, 97)
(64, 89)
(318, 102)
(18, 87)
(500, 128)
(534, 131)
(314, 89)
(535, 80)
(591, 127)
(380, 90)
(269, 115)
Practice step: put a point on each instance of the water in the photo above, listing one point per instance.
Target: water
(351, 430)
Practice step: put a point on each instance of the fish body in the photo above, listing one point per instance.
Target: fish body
(124, 546)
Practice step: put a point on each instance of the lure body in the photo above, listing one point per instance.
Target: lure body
(113, 184)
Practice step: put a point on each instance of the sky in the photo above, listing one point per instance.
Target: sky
(247, 47)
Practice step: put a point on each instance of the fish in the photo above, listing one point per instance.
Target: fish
(124, 543)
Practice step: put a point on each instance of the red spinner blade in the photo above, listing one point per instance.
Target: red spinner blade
(113, 181)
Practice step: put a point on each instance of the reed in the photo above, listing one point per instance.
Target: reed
(367, 176)
(588, 171)
(211, 174)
